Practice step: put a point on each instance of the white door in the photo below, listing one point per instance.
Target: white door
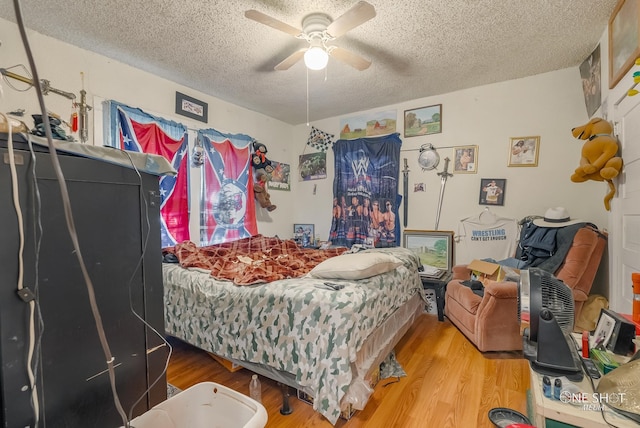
(624, 239)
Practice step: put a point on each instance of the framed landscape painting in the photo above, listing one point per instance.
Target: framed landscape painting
(423, 121)
(434, 247)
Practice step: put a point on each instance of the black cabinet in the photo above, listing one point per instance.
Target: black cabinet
(439, 285)
(116, 213)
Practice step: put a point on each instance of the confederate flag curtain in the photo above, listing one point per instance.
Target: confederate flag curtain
(365, 192)
(227, 206)
(134, 130)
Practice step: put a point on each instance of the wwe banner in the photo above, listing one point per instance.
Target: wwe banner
(132, 129)
(227, 205)
(365, 192)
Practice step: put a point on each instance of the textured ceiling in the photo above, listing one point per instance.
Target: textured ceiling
(418, 48)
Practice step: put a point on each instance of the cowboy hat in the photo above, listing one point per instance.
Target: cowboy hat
(556, 217)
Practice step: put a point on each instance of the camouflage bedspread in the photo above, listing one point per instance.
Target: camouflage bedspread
(290, 325)
(252, 260)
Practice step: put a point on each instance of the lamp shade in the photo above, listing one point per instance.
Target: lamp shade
(316, 58)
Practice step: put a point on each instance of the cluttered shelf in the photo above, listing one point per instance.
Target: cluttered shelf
(603, 398)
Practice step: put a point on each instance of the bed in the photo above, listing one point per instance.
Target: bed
(323, 342)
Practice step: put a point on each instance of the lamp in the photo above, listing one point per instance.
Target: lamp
(316, 58)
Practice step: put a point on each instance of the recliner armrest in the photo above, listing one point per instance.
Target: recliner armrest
(501, 289)
(460, 272)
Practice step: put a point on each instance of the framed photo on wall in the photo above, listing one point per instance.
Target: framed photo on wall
(423, 121)
(434, 247)
(191, 107)
(492, 191)
(624, 39)
(465, 159)
(523, 151)
(590, 75)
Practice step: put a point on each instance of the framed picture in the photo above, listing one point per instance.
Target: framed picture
(304, 234)
(465, 159)
(434, 247)
(523, 151)
(590, 76)
(190, 107)
(492, 191)
(603, 331)
(368, 125)
(312, 166)
(423, 121)
(624, 39)
(280, 176)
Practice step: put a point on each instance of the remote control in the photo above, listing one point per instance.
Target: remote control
(334, 286)
(592, 369)
(330, 286)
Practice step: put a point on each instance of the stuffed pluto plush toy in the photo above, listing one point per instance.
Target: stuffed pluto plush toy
(598, 159)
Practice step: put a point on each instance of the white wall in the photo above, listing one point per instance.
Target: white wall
(104, 78)
(548, 105)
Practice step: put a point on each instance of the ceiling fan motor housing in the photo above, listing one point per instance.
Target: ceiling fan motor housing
(315, 26)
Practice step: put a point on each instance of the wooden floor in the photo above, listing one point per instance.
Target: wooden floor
(449, 383)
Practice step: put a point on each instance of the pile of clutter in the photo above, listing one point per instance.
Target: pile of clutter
(55, 123)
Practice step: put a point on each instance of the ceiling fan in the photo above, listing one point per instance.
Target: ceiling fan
(318, 29)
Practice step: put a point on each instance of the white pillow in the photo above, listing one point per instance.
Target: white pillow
(355, 266)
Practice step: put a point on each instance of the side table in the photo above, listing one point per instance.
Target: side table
(547, 412)
(439, 286)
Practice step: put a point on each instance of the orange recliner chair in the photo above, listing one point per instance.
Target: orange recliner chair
(491, 321)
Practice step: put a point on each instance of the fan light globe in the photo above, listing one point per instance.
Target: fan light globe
(316, 58)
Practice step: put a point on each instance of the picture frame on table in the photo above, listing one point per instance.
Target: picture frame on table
(423, 121)
(304, 234)
(524, 151)
(492, 191)
(604, 330)
(190, 107)
(624, 39)
(433, 247)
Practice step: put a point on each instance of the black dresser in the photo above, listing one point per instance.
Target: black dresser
(117, 214)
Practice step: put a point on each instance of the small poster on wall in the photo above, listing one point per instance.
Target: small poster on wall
(313, 166)
(590, 74)
(280, 176)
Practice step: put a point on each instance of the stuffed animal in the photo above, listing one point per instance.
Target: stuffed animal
(260, 190)
(259, 158)
(599, 161)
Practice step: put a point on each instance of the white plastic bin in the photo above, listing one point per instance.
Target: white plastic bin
(205, 405)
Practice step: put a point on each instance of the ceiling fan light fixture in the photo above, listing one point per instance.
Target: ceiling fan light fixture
(316, 58)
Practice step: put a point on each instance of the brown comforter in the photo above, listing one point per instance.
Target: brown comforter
(252, 260)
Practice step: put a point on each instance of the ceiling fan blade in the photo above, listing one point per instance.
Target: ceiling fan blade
(348, 57)
(290, 60)
(358, 14)
(272, 22)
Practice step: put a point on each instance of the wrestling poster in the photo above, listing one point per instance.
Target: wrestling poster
(365, 192)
